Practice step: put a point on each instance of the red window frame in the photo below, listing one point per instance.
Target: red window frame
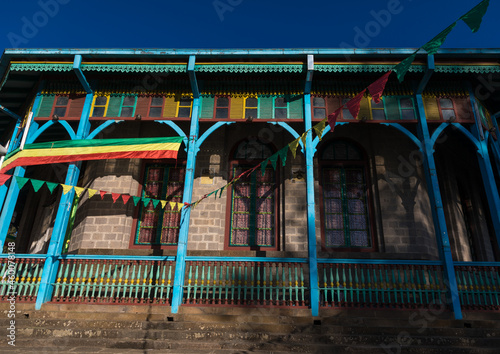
(228, 107)
(325, 107)
(447, 109)
(162, 107)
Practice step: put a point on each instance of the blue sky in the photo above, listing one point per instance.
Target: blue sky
(240, 24)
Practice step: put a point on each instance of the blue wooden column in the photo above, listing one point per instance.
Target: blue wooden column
(9, 195)
(431, 178)
(311, 212)
(180, 261)
(5, 187)
(63, 212)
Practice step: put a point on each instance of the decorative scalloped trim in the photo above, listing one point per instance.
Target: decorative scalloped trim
(133, 68)
(465, 69)
(40, 67)
(250, 68)
(333, 68)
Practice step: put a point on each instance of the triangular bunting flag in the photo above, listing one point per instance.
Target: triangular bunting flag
(222, 190)
(180, 206)
(293, 146)
(21, 181)
(354, 104)
(79, 191)
(66, 188)
(37, 184)
(146, 201)
(320, 127)
(376, 89)
(163, 203)
(403, 67)
(125, 198)
(283, 154)
(102, 193)
(303, 137)
(115, 196)
(155, 202)
(332, 118)
(474, 17)
(4, 178)
(51, 186)
(435, 43)
(263, 166)
(173, 205)
(274, 158)
(136, 200)
(91, 192)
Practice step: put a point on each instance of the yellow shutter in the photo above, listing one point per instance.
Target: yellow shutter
(364, 110)
(431, 108)
(170, 108)
(237, 108)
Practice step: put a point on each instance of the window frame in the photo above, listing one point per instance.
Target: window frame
(406, 109)
(287, 107)
(257, 108)
(134, 106)
(216, 98)
(54, 106)
(105, 106)
(162, 106)
(178, 108)
(369, 199)
(383, 109)
(325, 107)
(168, 163)
(233, 162)
(439, 98)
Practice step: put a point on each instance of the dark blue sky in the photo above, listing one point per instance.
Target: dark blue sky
(240, 24)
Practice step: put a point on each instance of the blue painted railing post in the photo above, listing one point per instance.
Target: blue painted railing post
(9, 199)
(63, 212)
(180, 261)
(311, 212)
(434, 193)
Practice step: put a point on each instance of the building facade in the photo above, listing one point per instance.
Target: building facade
(396, 208)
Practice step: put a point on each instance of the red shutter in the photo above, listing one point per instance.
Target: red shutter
(142, 106)
(463, 110)
(76, 103)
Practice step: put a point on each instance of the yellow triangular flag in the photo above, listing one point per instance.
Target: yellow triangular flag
(172, 205)
(79, 191)
(66, 188)
(318, 128)
(293, 146)
(91, 192)
(180, 206)
(163, 203)
(303, 138)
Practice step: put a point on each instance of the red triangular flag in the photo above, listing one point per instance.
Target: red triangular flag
(377, 88)
(102, 194)
(125, 198)
(4, 178)
(354, 104)
(115, 196)
(332, 118)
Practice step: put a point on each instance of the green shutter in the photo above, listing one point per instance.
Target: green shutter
(207, 107)
(114, 106)
(392, 108)
(296, 108)
(266, 107)
(46, 106)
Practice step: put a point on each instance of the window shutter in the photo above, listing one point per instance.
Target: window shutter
(114, 106)
(266, 107)
(332, 103)
(296, 107)
(392, 108)
(76, 105)
(364, 110)
(170, 109)
(463, 109)
(237, 105)
(46, 106)
(142, 106)
(431, 108)
(207, 107)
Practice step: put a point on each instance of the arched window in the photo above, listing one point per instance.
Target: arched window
(345, 198)
(251, 222)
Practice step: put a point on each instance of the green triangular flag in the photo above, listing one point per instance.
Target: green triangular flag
(155, 202)
(37, 184)
(51, 186)
(274, 158)
(21, 181)
(318, 128)
(263, 166)
(136, 200)
(403, 67)
(293, 146)
(283, 153)
(474, 17)
(435, 43)
(146, 201)
(221, 190)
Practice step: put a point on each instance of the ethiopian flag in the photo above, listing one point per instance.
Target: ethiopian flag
(98, 149)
